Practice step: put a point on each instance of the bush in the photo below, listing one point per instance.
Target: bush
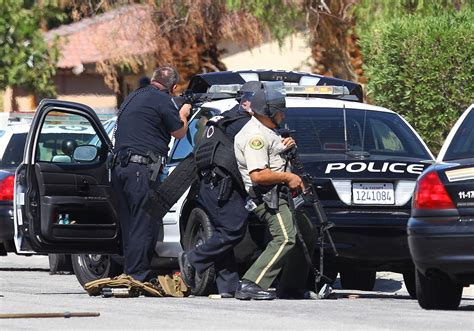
(423, 68)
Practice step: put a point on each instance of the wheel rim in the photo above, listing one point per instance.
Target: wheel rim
(94, 264)
(198, 236)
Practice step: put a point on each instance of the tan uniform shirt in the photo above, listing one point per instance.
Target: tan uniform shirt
(257, 147)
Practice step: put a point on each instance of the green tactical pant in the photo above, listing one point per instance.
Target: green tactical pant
(282, 245)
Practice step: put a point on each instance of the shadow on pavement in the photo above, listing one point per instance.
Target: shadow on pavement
(466, 308)
(60, 293)
(24, 269)
(365, 295)
(381, 285)
(387, 285)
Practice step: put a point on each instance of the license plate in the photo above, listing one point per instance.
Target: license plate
(373, 194)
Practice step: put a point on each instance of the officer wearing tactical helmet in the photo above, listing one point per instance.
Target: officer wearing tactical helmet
(258, 150)
(222, 194)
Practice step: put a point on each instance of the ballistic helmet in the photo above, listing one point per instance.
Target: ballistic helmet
(68, 146)
(246, 94)
(270, 99)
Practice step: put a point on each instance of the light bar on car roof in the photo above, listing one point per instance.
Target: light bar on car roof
(290, 89)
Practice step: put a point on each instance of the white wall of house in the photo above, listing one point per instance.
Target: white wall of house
(295, 54)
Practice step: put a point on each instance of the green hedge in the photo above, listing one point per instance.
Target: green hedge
(423, 68)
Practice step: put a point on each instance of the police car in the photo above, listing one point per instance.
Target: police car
(441, 227)
(364, 160)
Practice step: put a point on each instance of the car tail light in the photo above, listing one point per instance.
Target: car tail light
(6, 188)
(431, 193)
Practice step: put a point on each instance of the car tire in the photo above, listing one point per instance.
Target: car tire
(89, 267)
(358, 279)
(437, 292)
(410, 282)
(60, 263)
(198, 230)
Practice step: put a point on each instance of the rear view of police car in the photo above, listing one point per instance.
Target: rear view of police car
(441, 227)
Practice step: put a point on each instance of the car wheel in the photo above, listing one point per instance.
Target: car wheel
(410, 283)
(198, 230)
(358, 279)
(89, 267)
(437, 292)
(60, 263)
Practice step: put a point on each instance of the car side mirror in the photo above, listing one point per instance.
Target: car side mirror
(85, 153)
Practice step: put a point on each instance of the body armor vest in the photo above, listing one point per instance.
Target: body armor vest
(217, 150)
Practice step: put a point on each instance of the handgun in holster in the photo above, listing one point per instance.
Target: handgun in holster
(225, 189)
(124, 159)
(271, 198)
(155, 165)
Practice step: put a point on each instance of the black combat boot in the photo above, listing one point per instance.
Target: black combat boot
(249, 290)
(187, 270)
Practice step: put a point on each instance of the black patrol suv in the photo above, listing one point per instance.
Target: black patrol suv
(364, 160)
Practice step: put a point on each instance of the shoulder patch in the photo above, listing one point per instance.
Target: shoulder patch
(256, 143)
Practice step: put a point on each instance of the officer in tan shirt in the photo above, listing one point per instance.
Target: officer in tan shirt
(258, 151)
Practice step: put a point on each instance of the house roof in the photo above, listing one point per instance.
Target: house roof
(122, 32)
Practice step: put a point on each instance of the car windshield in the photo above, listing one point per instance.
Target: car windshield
(13, 154)
(462, 144)
(330, 133)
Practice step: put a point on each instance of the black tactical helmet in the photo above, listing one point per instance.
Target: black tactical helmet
(270, 99)
(248, 89)
(246, 93)
(68, 146)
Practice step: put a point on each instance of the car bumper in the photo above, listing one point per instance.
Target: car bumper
(443, 245)
(375, 239)
(7, 230)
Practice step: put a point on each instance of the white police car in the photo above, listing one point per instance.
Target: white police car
(364, 160)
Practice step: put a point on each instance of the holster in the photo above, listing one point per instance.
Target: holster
(268, 195)
(219, 178)
(124, 157)
(225, 189)
(155, 165)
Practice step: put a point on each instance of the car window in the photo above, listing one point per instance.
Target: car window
(184, 146)
(462, 144)
(321, 131)
(108, 126)
(60, 134)
(13, 154)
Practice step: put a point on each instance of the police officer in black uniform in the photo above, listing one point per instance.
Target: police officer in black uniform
(147, 119)
(222, 194)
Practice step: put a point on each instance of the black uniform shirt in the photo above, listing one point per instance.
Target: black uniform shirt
(235, 126)
(147, 121)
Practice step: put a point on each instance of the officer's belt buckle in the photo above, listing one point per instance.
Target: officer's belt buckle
(140, 159)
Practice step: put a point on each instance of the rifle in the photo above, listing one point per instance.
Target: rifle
(196, 98)
(309, 196)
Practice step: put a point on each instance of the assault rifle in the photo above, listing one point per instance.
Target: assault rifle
(196, 99)
(309, 196)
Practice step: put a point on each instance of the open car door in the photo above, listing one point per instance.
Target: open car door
(63, 201)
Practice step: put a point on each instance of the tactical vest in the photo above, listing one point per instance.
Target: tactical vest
(216, 150)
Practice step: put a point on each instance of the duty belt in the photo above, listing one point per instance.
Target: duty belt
(154, 162)
(140, 159)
